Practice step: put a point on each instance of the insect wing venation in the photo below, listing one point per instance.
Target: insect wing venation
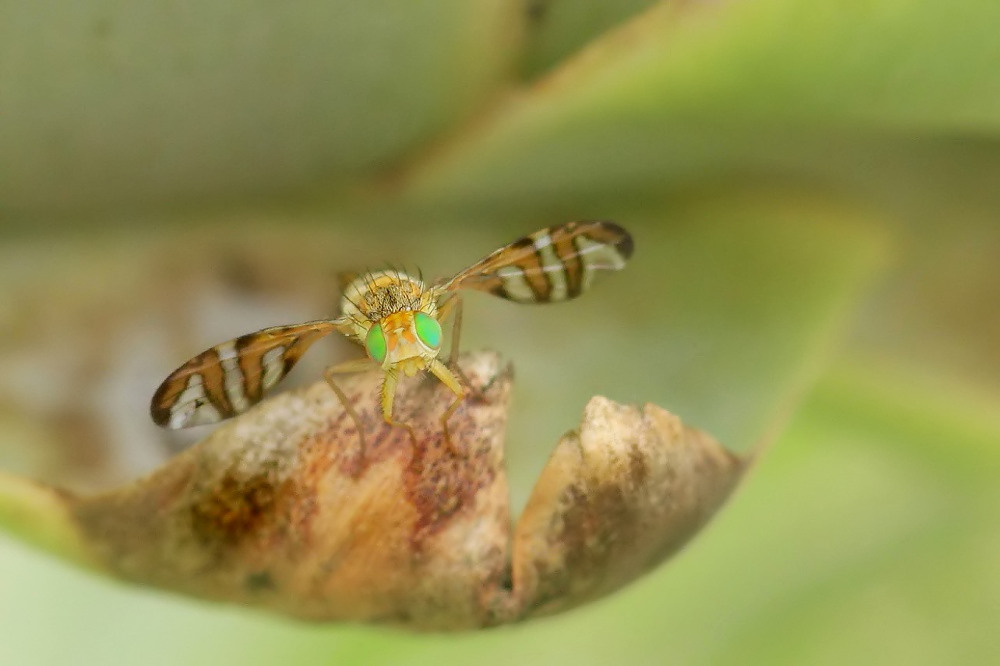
(231, 377)
(553, 264)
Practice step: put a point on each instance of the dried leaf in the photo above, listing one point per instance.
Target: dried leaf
(616, 498)
(282, 509)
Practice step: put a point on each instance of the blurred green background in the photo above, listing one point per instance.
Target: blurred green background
(814, 196)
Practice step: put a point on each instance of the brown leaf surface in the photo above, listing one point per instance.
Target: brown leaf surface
(617, 497)
(281, 509)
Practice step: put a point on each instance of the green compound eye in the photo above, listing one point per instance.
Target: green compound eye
(428, 330)
(375, 343)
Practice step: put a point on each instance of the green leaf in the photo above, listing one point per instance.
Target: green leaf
(772, 86)
(110, 104)
(554, 30)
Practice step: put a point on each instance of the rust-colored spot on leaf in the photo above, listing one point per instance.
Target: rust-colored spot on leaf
(440, 483)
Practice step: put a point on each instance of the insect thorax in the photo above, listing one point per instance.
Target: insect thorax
(372, 297)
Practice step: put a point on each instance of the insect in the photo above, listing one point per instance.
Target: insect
(397, 319)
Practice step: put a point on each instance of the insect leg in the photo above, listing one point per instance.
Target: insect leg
(349, 367)
(454, 302)
(388, 396)
(442, 372)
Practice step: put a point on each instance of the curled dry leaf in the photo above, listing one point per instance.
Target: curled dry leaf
(617, 497)
(281, 509)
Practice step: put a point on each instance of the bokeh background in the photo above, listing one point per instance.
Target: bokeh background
(814, 196)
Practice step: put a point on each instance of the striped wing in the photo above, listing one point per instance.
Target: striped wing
(554, 264)
(228, 379)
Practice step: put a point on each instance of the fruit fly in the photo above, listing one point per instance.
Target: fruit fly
(397, 319)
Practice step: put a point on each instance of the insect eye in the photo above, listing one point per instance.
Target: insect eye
(428, 330)
(375, 343)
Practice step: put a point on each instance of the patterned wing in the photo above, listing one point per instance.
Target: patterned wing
(228, 379)
(554, 264)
